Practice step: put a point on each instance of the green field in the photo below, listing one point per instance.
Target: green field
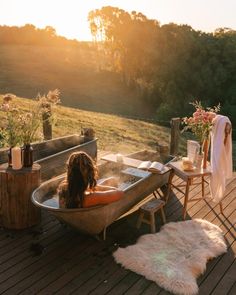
(114, 133)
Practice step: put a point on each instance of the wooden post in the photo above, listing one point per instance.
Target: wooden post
(174, 140)
(16, 186)
(47, 125)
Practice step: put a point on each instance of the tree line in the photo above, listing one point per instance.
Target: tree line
(30, 35)
(169, 65)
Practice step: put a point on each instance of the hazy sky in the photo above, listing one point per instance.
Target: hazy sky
(69, 17)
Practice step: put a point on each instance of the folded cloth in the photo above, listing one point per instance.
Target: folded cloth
(221, 157)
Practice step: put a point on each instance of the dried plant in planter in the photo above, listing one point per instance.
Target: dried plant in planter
(47, 102)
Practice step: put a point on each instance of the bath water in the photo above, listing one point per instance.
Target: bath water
(51, 200)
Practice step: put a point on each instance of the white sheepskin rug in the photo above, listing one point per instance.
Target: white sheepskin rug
(176, 256)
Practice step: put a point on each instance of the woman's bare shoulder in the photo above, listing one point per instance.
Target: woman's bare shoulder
(62, 186)
(102, 197)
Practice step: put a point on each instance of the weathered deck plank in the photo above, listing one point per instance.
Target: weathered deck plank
(228, 280)
(232, 291)
(71, 263)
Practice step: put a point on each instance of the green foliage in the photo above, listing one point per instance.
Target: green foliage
(171, 64)
(30, 35)
(118, 30)
(229, 109)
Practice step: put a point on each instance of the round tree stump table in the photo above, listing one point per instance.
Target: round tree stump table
(16, 186)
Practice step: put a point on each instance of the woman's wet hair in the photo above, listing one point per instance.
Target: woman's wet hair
(81, 174)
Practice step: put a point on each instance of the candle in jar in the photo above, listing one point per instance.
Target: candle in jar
(119, 158)
(187, 164)
(16, 158)
(185, 159)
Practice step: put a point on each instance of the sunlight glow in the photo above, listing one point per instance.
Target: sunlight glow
(69, 17)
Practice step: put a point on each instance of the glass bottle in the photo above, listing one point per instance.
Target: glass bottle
(9, 157)
(27, 155)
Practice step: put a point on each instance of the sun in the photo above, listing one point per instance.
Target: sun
(68, 18)
(72, 20)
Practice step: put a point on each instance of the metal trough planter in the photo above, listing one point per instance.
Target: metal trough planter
(55, 164)
(136, 186)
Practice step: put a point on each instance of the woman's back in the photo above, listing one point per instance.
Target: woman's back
(91, 198)
(80, 188)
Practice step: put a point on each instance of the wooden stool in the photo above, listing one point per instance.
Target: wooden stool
(151, 208)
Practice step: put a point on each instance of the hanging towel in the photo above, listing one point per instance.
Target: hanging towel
(221, 157)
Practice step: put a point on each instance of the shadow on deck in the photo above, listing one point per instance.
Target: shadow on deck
(53, 258)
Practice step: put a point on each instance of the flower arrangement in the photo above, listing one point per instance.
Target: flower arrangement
(201, 122)
(21, 126)
(47, 102)
(29, 123)
(10, 129)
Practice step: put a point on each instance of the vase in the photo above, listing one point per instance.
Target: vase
(199, 161)
(205, 149)
(27, 155)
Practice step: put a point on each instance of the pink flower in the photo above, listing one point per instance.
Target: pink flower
(190, 120)
(205, 117)
(8, 97)
(197, 119)
(5, 107)
(201, 121)
(212, 115)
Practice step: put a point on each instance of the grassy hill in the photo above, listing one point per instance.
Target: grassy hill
(27, 70)
(115, 133)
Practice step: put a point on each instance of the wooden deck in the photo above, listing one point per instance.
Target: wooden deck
(54, 259)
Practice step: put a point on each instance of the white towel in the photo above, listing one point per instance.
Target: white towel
(221, 157)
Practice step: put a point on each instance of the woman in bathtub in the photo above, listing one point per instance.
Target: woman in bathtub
(80, 188)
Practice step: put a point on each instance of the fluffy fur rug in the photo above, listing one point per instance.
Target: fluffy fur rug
(176, 256)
